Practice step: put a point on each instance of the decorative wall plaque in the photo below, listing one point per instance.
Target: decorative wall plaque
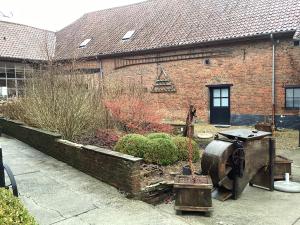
(163, 83)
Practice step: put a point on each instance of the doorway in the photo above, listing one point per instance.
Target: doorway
(220, 105)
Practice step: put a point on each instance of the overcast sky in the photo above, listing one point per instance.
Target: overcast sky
(53, 14)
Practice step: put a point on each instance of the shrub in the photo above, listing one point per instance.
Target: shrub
(161, 151)
(136, 114)
(12, 211)
(183, 151)
(133, 144)
(67, 104)
(159, 135)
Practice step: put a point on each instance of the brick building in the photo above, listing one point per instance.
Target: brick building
(22, 50)
(237, 61)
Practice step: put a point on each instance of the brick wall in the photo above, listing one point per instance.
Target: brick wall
(248, 66)
(117, 169)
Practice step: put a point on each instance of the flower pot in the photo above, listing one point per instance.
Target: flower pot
(186, 170)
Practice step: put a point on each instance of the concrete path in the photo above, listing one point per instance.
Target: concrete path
(55, 193)
(255, 206)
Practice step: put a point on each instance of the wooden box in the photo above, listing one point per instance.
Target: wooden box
(282, 166)
(193, 194)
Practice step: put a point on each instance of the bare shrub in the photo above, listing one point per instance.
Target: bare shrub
(68, 104)
(12, 109)
(74, 104)
(137, 113)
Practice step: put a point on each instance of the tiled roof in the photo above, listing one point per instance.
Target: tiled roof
(165, 23)
(157, 24)
(25, 42)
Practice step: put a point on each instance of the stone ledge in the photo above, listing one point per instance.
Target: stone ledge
(111, 153)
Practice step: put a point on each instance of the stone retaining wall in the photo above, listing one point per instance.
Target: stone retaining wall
(117, 169)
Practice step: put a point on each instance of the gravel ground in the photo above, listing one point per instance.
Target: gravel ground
(286, 139)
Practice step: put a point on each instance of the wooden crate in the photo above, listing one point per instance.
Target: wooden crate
(193, 195)
(282, 166)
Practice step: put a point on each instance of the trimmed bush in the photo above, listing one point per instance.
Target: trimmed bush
(12, 212)
(133, 144)
(162, 151)
(159, 135)
(182, 147)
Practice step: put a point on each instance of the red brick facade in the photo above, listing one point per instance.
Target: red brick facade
(247, 66)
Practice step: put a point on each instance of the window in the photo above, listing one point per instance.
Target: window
(128, 35)
(220, 97)
(292, 98)
(84, 43)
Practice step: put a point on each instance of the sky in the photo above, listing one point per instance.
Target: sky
(53, 14)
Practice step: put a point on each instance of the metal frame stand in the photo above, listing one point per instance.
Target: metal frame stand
(13, 183)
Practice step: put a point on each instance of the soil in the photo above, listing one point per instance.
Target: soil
(153, 174)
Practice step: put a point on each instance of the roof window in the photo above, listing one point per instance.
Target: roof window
(84, 43)
(128, 35)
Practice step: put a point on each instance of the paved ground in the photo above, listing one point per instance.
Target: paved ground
(55, 193)
(58, 194)
(256, 206)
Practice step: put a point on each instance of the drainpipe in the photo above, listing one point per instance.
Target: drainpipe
(101, 75)
(101, 69)
(273, 81)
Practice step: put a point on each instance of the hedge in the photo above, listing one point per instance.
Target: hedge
(159, 148)
(12, 211)
(133, 144)
(161, 151)
(159, 135)
(182, 144)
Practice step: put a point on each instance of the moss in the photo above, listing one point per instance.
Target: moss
(133, 144)
(12, 212)
(159, 135)
(182, 147)
(162, 151)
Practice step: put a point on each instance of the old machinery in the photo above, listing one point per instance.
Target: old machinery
(238, 157)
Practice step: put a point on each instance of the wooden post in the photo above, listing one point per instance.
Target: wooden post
(272, 153)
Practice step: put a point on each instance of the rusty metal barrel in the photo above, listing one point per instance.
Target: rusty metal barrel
(235, 158)
(215, 162)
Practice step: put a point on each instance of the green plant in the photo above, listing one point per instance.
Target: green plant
(182, 144)
(133, 144)
(12, 212)
(159, 135)
(161, 151)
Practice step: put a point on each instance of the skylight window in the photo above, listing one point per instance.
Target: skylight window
(84, 43)
(128, 35)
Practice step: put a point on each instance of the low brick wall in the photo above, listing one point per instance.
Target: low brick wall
(117, 169)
